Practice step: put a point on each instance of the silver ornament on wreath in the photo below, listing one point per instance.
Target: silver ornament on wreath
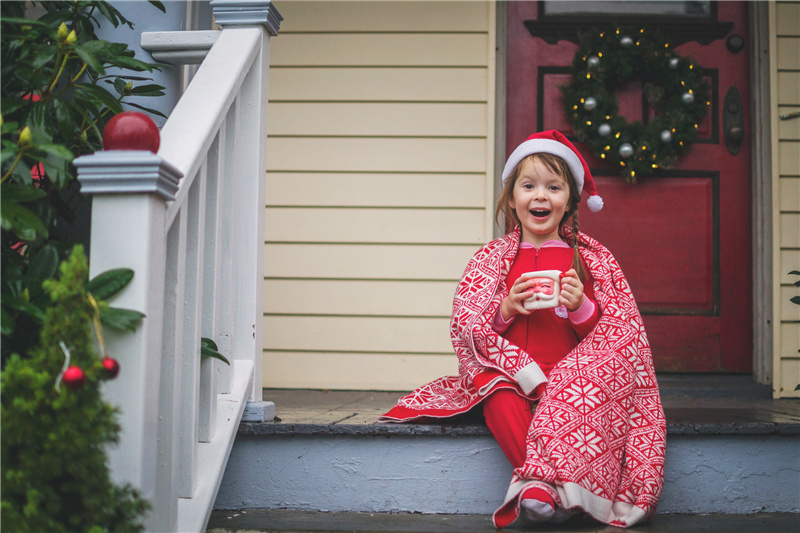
(604, 130)
(626, 150)
(687, 98)
(666, 136)
(626, 41)
(589, 104)
(593, 61)
(674, 62)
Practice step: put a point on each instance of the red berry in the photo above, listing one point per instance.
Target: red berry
(74, 377)
(131, 130)
(111, 366)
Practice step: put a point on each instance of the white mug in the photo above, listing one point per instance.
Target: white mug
(545, 291)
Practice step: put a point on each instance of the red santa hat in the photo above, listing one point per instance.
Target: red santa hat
(554, 142)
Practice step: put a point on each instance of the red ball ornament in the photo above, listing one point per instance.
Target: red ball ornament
(74, 377)
(131, 130)
(111, 366)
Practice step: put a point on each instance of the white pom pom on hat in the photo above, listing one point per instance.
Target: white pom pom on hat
(555, 143)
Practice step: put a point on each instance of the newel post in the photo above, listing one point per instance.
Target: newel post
(250, 192)
(130, 185)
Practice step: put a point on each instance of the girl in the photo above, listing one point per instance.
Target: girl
(595, 442)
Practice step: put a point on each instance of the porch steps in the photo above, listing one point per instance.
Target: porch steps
(318, 522)
(730, 450)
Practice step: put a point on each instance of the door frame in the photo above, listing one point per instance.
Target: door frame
(761, 146)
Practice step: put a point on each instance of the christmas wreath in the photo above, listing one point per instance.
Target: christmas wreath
(674, 86)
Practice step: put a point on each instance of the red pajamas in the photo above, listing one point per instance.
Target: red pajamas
(545, 336)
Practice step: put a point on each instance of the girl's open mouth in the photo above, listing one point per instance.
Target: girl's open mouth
(540, 213)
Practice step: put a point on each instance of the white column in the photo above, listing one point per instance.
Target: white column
(130, 191)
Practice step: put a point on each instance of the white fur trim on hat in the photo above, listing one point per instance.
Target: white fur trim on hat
(548, 146)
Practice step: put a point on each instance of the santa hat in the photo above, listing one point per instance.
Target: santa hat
(554, 142)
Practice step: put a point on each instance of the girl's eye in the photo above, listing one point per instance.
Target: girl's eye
(555, 188)
(527, 186)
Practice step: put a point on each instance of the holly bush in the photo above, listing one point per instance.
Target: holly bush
(55, 431)
(60, 85)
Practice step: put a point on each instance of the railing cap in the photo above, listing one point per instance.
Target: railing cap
(247, 12)
(127, 171)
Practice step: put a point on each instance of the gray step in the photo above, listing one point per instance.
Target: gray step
(307, 521)
(724, 455)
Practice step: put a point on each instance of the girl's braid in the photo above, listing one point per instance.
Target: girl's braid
(577, 264)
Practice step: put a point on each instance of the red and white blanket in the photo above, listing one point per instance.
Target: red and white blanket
(598, 435)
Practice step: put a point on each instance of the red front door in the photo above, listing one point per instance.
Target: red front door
(683, 237)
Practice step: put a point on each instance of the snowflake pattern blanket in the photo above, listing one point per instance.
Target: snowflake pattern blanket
(598, 435)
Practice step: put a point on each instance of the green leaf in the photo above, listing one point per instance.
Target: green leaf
(797, 387)
(149, 110)
(100, 95)
(57, 150)
(21, 221)
(148, 90)
(121, 319)
(794, 273)
(131, 63)
(208, 348)
(795, 300)
(6, 322)
(20, 193)
(109, 283)
(159, 5)
(64, 118)
(23, 306)
(87, 54)
(44, 264)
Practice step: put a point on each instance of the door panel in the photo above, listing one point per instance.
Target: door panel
(683, 236)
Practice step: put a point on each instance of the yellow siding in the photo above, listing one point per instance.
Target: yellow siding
(379, 163)
(785, 80)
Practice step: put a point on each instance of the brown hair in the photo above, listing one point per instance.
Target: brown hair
(557, 166)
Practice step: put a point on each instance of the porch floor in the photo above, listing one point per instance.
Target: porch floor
(693, 405)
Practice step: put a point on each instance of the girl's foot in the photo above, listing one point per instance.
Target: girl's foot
(536, 506)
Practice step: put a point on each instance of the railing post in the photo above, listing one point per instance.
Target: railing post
(130, 189)
(250, 194)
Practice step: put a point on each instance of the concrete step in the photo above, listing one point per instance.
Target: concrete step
(308, 521)
(732, 452)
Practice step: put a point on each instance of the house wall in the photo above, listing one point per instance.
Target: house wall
(379, 187)
(785, 83)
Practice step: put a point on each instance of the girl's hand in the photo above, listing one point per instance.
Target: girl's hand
(571, 295)
(514, 303)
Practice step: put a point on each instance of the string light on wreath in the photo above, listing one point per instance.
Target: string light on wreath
(676, 91)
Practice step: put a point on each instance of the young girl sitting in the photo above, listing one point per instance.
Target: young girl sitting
(595, 441)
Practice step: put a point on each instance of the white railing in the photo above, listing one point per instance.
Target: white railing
(190, 222)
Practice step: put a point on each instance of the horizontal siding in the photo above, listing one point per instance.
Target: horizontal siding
(358, 334)
(376, 371)
(790, 261)
(372, 84)
(380, 138)
(789, 153)
(377, 225)
(353, 261)
(789, 130)
(789, 88)
(383, 17)
(359, 297)
(382, 119)
(790, 377)
(379, 49)
(789, 340)
(362, 189)
(371, 154)
(790, 194)
(790, 230)
(787, 77)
